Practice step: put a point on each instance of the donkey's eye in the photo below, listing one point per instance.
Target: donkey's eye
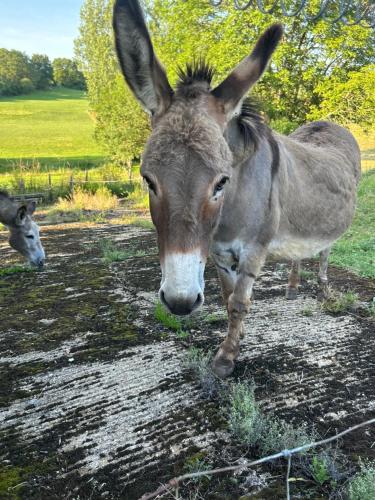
(220, 185)
(151, 185)
(30, 236)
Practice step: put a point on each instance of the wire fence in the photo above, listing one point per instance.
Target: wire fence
(348, 12)
(174, 483)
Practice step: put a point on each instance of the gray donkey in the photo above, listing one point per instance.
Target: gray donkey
(24, 232)
(221, 182)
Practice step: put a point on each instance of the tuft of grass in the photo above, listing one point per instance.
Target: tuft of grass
(307, 311)
(362, 487)
(182, 334)
(319, 469)
(8, 271)
(167, 319)
(110, 253)
(199, 363)
(337, 302)
(245, 419)
(214, 318)
(101, 200)
(197, 463)
(250, 426)
(306, 275)
(279, 435)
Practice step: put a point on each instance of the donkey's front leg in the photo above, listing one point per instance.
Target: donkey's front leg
(238, 306)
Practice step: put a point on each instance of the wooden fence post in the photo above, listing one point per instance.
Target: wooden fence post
(71, 186)
(50, 187)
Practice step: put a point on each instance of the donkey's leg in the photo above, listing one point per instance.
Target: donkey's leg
(293, 280)
(323, 266)
(228, 283)
(239, 302)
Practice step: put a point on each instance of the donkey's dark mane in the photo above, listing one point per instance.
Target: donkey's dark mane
(250, 121)
(197, 71)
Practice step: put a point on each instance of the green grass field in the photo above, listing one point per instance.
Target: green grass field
(51, 127)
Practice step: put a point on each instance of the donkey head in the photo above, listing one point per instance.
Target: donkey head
(187, 161)
(24, 232)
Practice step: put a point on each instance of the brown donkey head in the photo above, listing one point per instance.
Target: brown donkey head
(187, 160)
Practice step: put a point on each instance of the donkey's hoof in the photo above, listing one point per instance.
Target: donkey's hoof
(222, 367)
(291, 293)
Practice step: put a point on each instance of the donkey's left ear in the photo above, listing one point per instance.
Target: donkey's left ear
(21, 215)
(234, 88)
(140, 66)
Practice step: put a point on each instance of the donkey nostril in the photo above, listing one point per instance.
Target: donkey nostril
(198, 302)
(163, 299)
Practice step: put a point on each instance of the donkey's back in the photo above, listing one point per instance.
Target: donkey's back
(332, 140)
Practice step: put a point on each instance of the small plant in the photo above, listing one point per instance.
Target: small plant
(307, 311)
(8, 271)
(213, 318)
(167, 319)
(111, 253)
(337, 302)
(199, 363)
(196, 463)
(245, 419)
(278, 434)
(362, 487)
(319, 469)
(306, 275)
(182, 334)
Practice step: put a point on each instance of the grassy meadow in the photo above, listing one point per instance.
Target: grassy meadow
(51, 127)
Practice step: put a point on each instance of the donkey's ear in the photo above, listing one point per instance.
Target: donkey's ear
(140, 66)
(234, 88)
(21, 215)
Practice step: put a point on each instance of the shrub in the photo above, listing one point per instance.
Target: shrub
(245, 419)
(26, 85)
(280, 435)
(337, 302)
(101, 200)
(362, 487)
(199, 363)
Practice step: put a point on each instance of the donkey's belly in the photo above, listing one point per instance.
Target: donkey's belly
(295, 248)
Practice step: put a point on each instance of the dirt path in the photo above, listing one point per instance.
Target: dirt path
(95, 401)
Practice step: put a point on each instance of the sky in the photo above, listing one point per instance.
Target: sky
(40, 26)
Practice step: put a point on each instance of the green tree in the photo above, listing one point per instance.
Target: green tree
(41, 71)
(121, 125)
(312, 56)
(350, 101)
(15, 74)
(67, 74)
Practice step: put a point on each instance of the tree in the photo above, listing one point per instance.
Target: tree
(15, 75)
(121, 125)
(41, 71)
(67, 74)
(352, 101)
(311, 53)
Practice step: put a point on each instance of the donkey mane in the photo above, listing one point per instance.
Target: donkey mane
(250, 121)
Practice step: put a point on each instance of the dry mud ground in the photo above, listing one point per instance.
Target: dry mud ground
(95, 401)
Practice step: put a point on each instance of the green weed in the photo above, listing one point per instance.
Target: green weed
(111, 253)
(8, 271)
(319, 469)
(307, 311)
(362, 487)
(245, 420)
(336, 302)
(167, 319)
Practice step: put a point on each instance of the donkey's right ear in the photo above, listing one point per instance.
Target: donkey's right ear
(140, 66)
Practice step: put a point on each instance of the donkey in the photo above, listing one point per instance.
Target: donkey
(24, 232)
(222, 183)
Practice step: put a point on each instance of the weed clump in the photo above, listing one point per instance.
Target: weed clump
(245, 419)
(362, 487)
(101, 200)
(110, 253)
(167, 319)
(199, 363)
(337, 302)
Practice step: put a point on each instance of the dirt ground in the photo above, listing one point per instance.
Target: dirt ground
(95, 399)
